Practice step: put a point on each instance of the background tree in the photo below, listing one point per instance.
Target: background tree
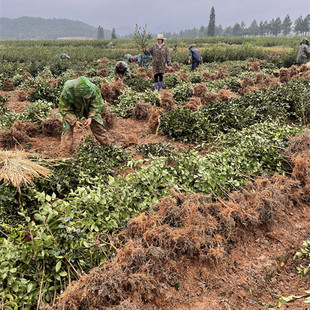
(113, 35)
(100, 34)
(211, 26)
(286, 25)
(276, 27)
(237, 31)
(253, 30)
(301, 25)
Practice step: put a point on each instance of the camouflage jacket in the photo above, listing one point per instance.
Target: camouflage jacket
(303, 51)
(80, 98)
(161, 57)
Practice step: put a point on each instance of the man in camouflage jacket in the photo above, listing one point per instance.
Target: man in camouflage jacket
(80, 105)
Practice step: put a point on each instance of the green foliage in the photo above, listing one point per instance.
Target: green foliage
(7, 117)
(140, 37)
(44, 87)
(128, 99)
(182, 92)
(126, 102)
(91, 164)
(139, 84)
(171, 81)
(69, 235)
(304, 253)
(155, 149)
(36, 111)
(186, 125)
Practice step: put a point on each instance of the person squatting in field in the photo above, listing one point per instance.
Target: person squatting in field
(122, 70)
(64, 56)
(129, 58)
(194, 57)
(161, 57)
(143, 60)
(303, 52)
(80, 99)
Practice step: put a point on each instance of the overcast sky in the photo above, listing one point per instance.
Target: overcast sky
(160, 15)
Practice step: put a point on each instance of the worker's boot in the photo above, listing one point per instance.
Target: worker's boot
(156, 86)
(160, 85)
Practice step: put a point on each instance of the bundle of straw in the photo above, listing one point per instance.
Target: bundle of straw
(16, 168)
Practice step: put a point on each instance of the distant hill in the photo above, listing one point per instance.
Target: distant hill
(36, 28)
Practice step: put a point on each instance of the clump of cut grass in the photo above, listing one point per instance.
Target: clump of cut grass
(16, 168)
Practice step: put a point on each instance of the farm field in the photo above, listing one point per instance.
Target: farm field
(199, 201)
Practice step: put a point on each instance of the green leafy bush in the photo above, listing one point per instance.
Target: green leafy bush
(155, 149)
(182, 92)
(139, 84)
(186, 125)
(171, 81)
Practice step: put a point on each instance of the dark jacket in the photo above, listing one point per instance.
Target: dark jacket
(194, 54)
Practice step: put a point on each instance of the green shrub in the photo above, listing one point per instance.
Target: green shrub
(171, 81)
(182, 92)
(186, 125)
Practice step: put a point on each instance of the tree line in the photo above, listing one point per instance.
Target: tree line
(274, 27)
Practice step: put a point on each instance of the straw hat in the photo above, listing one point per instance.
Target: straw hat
(160, 36)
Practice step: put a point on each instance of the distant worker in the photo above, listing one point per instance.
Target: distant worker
(129, 58)
(303, 52)
(143, 60)
(175, 48)
(194, 57)
(121, 70)
(64, 56)
(111, 44)
(80, 105)
(161, 57)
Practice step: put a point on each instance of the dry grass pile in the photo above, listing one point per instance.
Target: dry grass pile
(141, 111)
(130, 140)
(208, 76)
(221, 74)
(10, 138)
(29, 129)
(8, 85)
(26, 76)
(200, 91)
(194, 103)
(108, 117)
(174, 68)
(293, 71)
(154, 120)
(22, 95)
(144, 73)
(186, 230)
(52, 127)
(111, 91)
(184, 77)
(16, 168)
(284, 75)
(104, 60)
(166, 100)
(253, 66)
(18, 134)
(103, 72)
(226, 95)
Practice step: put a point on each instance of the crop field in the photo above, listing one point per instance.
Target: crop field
(199, 201)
